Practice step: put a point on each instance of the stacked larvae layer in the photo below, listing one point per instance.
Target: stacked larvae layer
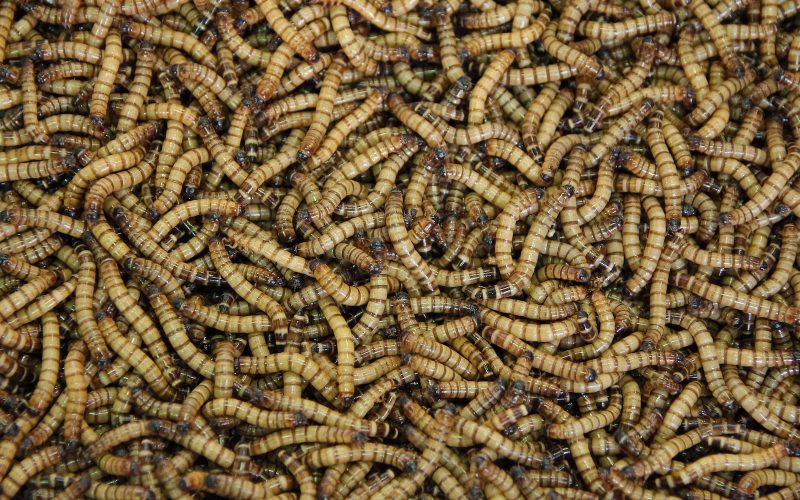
(337, 249)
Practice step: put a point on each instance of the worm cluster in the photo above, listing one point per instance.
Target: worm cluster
(353, 248)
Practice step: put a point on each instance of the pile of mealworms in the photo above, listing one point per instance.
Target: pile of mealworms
(399, 248)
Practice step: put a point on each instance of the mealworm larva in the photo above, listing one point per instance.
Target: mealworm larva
(512, 39)
(486, 85)
(77, 383)
(717, 96)
(578, 448)
(30, 466)
(317, 220)
(143, 73)
(606, 32)
(110, 276)
(29, 108)
(719, 36)
(112, 58)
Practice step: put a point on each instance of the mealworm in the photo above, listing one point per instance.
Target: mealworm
(274, 257)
